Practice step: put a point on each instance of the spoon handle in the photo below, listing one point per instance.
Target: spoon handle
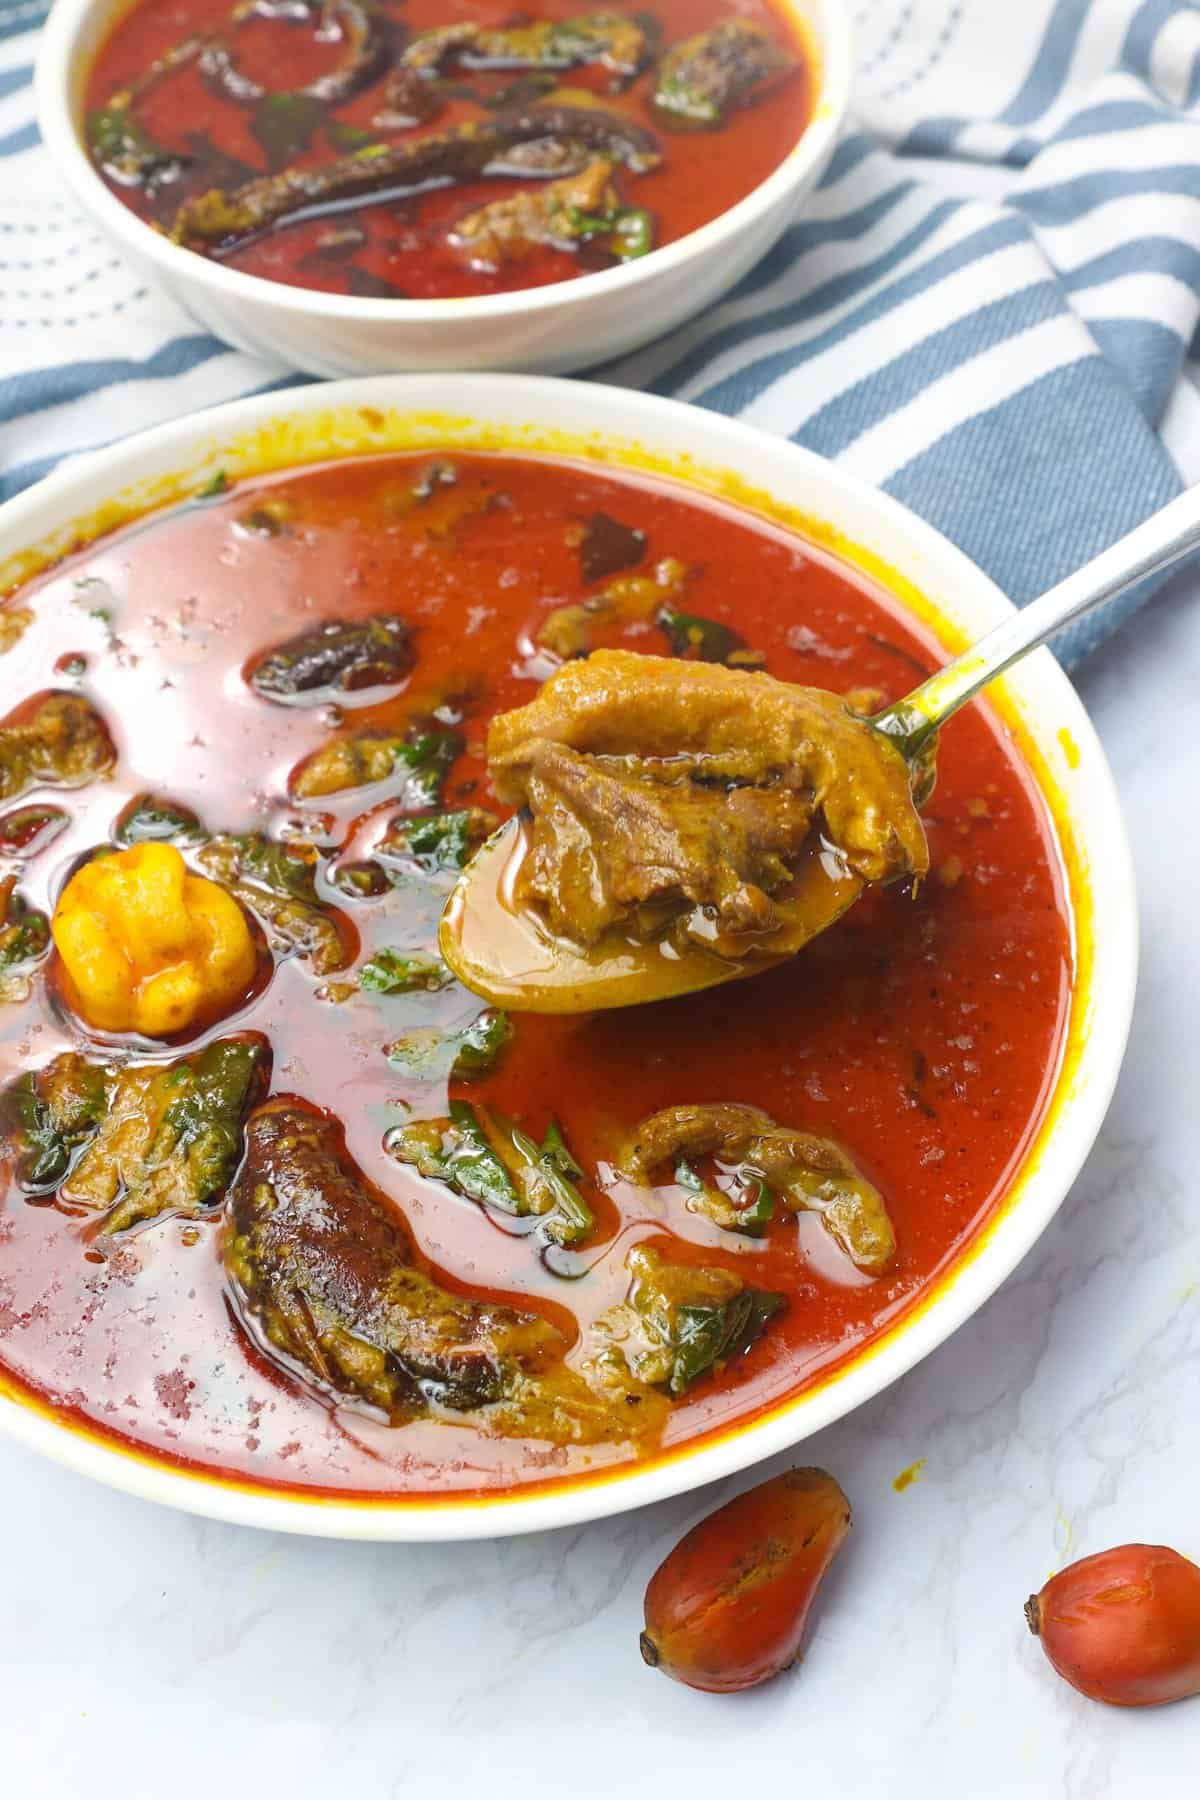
(1166, 538)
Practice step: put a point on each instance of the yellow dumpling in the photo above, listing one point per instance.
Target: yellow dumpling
(147, 946)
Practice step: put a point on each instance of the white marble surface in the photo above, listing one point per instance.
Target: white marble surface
(144, 1654)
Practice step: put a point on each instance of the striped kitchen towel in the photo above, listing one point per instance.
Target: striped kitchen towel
(987, 308)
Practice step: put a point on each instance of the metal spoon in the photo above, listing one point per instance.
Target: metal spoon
(509, 956)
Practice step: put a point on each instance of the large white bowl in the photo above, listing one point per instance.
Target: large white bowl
(930, 577)
(572, 325)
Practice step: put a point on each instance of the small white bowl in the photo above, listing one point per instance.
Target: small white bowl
(572, 325)
(927, 575)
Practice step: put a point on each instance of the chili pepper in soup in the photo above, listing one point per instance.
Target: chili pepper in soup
(441, 147)
(322, 1219)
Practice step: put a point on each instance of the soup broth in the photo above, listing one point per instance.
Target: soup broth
(589, 168)
(922, 1032)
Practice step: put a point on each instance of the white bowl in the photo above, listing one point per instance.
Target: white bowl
(553, 329)
(924, 572)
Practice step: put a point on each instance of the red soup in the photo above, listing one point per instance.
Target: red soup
(921, 1034)
(442, 147)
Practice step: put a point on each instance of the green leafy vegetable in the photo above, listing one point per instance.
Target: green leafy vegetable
(681, 1320)
(349, 137)
(544, 1172)
(149, 819)
(707, 1335)
(404, 971)
(438, 843)
(360, 880)
(197, 1141)
(487, 1157)
(456, 1150)
(135, 1140)
(285, 125)
(481, 1045)
(216, 484)
(420, 757)
(284, 867)
(24, 933)
(751, 1217)
(55, 740)
(441, 841)
(427, 760)
(698, 639)
(277, 882)
(126, 151)
(49, 1113)
(427, 1054)
(628, 229)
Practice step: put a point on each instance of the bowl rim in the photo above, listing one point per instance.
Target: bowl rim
(619, 425)
(54, 82)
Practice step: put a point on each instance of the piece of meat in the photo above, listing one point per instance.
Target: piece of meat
(139, 1139)
(53, 740)
(276, 882)
(336, 657)
(680, 1321)
(615, 42)
(14, 623)
(219, 221)
(610, 840)
(559, 214)
(704, 78)
(418, 756)
(654, 780)
(809, 1173)
(170, 1135)
(569, 631)
(325, 1266)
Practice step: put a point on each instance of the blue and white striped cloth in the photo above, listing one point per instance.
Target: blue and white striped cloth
(987, 308)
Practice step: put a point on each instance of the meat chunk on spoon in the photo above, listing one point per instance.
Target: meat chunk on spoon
(693, 787)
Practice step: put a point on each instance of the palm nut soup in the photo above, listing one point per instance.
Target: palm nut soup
(285, 1202)
(422, 149)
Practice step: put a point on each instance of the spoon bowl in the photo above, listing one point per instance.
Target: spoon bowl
(505, 952)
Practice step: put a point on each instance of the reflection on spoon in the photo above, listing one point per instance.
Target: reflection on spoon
(506, 953)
